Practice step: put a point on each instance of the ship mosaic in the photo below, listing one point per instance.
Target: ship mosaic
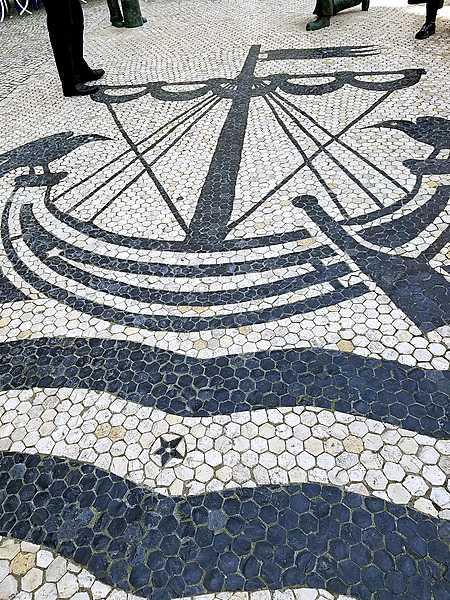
(225, 316)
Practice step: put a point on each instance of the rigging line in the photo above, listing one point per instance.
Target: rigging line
(293, 173)
(85, 179)
(114, 175)
(313, 169)
(119, 193)
(344, 144)
(165, 196)
(193, 109)
(364, 219)
(147, 169)
(350, 175)
(122, 169)
(188, 128)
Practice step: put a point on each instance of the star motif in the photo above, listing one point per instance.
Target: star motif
(170, 449)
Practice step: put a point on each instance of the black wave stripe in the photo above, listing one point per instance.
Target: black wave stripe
(33, 235)
(194, 271)
(409, 397)
(412, 284)
(269, 537)
(9, 292)
(219, 298)
(171, 323)
(45, 241)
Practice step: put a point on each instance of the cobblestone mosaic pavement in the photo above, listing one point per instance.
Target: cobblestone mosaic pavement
(225, 308)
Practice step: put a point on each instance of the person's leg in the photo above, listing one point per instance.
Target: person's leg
(81, 67)
(115, 13)
(59, 22)
(339, 5)
(83, 71)
(432, 8)
(429, 27)
(59, 30)
(324, 11)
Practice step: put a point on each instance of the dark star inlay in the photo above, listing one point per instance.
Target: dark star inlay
(170, 448)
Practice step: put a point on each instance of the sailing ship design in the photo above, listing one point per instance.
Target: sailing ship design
(129, 289)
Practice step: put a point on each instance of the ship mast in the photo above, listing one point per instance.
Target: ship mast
(209, 224)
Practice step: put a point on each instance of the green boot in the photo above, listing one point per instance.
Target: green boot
(318, 23)
(115, 13)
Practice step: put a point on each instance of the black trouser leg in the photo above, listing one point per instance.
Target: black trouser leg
(81, 67)
(66, 29)
(60, 33)
(432, 9)
(324, 8)
(115, 11)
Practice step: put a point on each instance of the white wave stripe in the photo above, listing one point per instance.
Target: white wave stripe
(197, 284)
(142, 308)
(68, 234)
(317, 329)
(275, 446)
(29, 572)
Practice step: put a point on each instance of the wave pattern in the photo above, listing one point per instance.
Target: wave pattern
(285, 445)
(33, 569)
(247, 539)
(409, 397)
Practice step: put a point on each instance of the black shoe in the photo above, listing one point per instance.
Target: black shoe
(93, 75)
(318, 23)
(428, 29)
(80, 89)
(365, 5)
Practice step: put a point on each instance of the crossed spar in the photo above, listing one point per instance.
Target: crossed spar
(412, 284)
(210, 223)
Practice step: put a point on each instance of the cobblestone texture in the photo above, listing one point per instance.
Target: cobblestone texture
(225, 308)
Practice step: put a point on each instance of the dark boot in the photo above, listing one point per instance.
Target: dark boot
(318, 23)
(92, 75)
(365, 5)
(80, 89)
(428, 29)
